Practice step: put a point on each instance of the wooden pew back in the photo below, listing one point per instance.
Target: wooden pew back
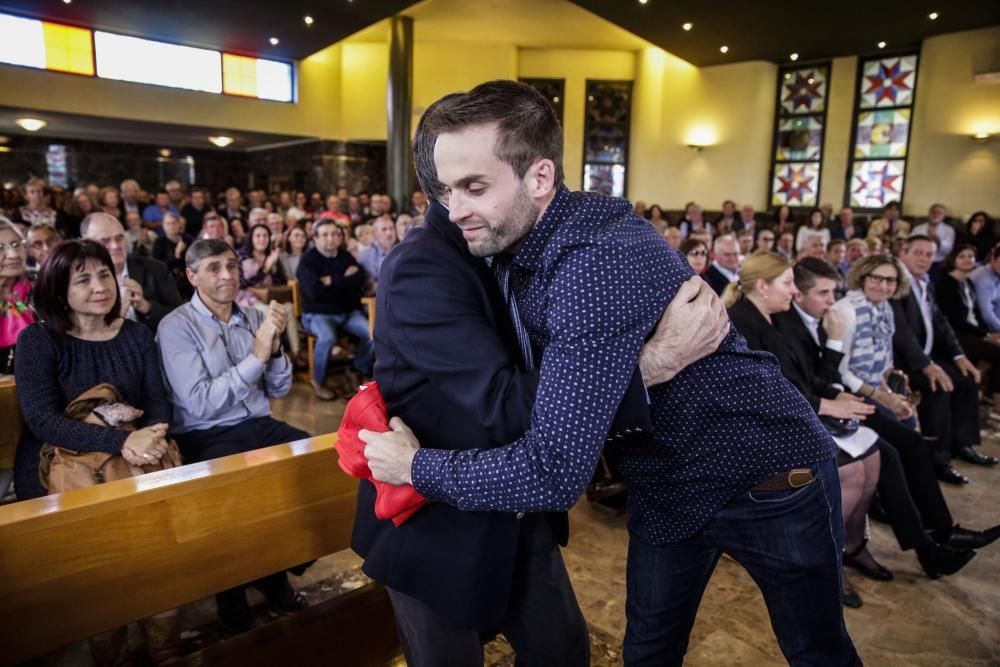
(82, 562)
(11, 423)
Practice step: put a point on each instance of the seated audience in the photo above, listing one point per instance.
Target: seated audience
(403, 224)
(979, 232)
(148, 290)
(845, 227)
(766, 287)
(724, 225)
(875, 245)
(725, 265)
(854, 250)
(175, 192)
(194, 211)
(783, 220)
(260, 269)
(153, 214)
(656, 218)
(38, 211)
(16, 313)
(42, 239)
(82, 206)
(889, 225)
(276, 225)
(812, 246)
(696, 252)
(815, 336)
(170, 249)
(765, 241)
(110, 203)
(370, 259)
(133, 200)
(233, 209)
(640, 208)
(140, 239)
(986, 280)
(957, 296)
(694, 221)
(943, 234)
(835, 252)
(331, 283)
(221, 364)
(746, 223)
(926, 348)
(296, 243)
(365, 236)
(786, 245)
(815, 226)
(672, 234)
(745, 239)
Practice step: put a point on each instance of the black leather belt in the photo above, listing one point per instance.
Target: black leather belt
(790, 479)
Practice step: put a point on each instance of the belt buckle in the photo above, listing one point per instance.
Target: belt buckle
(800, 477)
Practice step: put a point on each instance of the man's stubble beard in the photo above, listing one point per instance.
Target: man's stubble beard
(512, 229)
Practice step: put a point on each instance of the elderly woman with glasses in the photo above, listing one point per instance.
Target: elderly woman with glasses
(16, 313)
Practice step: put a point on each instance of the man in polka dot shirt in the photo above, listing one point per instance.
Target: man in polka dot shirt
(738, 462)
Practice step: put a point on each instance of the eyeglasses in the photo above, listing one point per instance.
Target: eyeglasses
(13, 245)
(882, 280)
(698, 253)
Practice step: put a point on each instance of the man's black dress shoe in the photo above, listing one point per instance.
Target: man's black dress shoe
(851, 599)
(234, 612)
(963, 538)
(939, 560)
(970, 455)
(282, 599)
(948, 473)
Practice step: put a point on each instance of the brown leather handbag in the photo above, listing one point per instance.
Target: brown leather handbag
(62, 469)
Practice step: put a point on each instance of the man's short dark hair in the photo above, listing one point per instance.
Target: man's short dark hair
(917, 237)
(322, 222)
(527, 128)
(203, 248)
(809, 270)
(52, 284)
(893, 204)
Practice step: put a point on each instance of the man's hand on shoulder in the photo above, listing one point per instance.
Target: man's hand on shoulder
(693, 326)
(390, 454)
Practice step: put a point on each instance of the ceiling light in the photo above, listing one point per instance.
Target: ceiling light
(164, 152)
(4, 149)
(31, 124)
(308, 20)
(724, 49)
(933, 16)
(794, 57)
(788, 75)
(221, 141)
(810, 81)
(555, 100)
(642, 2)
(881, 45)
(981, 136)
(67, 1)
(687, 26)
(274, 41)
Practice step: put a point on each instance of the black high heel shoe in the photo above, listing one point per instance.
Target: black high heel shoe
(878, 573)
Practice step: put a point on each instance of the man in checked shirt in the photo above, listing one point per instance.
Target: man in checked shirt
(738, 462)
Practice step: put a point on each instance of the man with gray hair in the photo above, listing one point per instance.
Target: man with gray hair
(725, 265)
(221, 364)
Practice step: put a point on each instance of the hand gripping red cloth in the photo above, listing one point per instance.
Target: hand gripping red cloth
(367, 411)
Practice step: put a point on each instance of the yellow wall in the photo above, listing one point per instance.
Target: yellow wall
(836, 145)
(575, 66)
(363, 89)
(730, 107)
(945, 165)
(319, 82)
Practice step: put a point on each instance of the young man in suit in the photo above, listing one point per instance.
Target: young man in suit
(451, 574)
(926, 348)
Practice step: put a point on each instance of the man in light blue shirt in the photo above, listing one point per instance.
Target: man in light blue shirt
(221, 364)
(986, 279)
(385, 238)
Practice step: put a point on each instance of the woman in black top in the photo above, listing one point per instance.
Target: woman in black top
(979, 232)
(82, 342)
(956, 296)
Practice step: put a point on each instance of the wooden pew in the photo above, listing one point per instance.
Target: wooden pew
(11, 423)
(79, 563)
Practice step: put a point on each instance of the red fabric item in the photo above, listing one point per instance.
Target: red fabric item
(367, 411)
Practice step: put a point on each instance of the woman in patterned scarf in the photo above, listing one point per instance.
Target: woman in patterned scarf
(15, 292)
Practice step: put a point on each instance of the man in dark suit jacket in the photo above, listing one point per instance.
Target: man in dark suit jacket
(725, 265)
(926, 348)
(149, 290)
(449, 364)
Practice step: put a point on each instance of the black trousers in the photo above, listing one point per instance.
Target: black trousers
(949, 419)
(909, 453)
(219, 441)
(979, 350)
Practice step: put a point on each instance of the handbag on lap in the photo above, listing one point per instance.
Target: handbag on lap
(63, 469)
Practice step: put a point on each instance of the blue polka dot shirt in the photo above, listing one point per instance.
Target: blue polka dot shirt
(591, 281)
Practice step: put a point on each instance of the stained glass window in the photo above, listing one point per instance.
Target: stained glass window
(606, 129)
(881, 137)
(800, 119)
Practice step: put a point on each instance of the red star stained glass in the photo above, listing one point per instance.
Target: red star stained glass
(888, 82)
(795, 184)
(803, 90)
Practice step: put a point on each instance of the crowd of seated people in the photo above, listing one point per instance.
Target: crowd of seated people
(168, 299)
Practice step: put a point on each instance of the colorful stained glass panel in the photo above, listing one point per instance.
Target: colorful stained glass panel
(799, 138)
(876, 182)
(888, 82)
(795, 184)
(803, 91)
(882, 133)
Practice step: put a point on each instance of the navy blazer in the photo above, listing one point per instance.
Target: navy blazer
(911, 334)
(448, 363)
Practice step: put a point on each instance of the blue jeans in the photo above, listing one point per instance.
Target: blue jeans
(789, 541)
(325, 327)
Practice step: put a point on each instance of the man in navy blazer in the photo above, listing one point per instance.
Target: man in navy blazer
(448, 363)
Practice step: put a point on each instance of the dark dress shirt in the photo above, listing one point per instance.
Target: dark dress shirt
(158, 287)
(592, 279)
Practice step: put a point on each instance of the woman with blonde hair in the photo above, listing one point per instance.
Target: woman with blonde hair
(767, 287)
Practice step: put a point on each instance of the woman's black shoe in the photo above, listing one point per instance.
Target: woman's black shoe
(878, 573)
(939, 560)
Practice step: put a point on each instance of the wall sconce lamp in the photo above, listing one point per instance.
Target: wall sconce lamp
(697, 147)
(983, 137)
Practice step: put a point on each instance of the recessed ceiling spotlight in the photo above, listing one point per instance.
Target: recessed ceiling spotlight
(308, 20)
(687, 26)
(724, 49)
(274, 41)
(66, 2)
(221, 141)
(788, 75)
(31, 124)
(881, 45)
(794, 57)
(642, 2)
(164, 152)
(810, 81)
(933, 16)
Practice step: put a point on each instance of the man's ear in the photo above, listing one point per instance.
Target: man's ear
(541, 178)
